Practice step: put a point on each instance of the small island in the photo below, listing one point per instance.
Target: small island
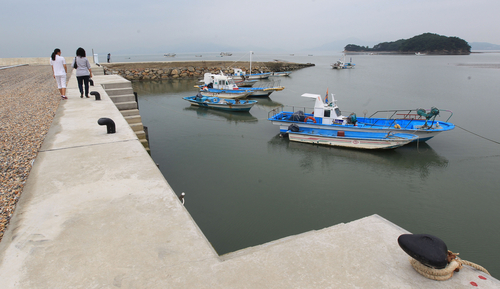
(427, 43)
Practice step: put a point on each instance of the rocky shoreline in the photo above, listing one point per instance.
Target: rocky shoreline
(193, 69)
(28, 102)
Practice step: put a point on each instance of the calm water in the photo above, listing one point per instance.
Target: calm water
(246, 186)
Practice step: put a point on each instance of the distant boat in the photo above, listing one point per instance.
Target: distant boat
(281, 73)
(169, 54)
(342, 64)
(240, 74)
(226, 54)
(198, 55)
(220, 103)
(418, 53)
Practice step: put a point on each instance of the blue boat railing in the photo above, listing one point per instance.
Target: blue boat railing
(389, 119)
(292, 109)
(405, 114)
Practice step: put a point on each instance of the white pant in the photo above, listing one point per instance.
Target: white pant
(61, 81)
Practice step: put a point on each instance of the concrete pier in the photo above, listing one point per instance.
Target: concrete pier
(97, 213)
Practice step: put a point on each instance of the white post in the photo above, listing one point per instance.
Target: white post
(251, 52)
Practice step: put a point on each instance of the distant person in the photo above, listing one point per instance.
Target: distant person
(83, 71)
(59, 70)
(109, 57)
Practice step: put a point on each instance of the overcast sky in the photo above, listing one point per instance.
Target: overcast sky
(33, 28)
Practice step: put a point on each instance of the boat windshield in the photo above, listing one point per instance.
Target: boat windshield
(337, 111)
(231, 81)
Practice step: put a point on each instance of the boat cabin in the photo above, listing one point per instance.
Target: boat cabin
(239, 72)
(326, 112)
(219, 81)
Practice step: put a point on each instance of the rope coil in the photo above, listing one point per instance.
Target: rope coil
(454, 265)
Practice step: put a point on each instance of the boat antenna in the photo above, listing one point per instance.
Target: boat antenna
(251, 52)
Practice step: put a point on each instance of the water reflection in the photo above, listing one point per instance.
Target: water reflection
(165, 86)
(266, 102)
(212, 114)
(414, 158)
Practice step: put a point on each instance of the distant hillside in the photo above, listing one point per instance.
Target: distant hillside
(484, 46)
(429, 43)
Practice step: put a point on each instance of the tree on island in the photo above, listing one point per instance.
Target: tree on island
(427, 43)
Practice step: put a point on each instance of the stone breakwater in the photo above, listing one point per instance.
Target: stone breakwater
(194, 69)
(28, 102)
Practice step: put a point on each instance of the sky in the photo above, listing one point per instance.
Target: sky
(33, 28)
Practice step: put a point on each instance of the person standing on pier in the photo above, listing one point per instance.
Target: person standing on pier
(109, 57)
(59, 70)
(83, 71)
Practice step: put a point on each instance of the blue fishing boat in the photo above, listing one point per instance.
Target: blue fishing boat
(349, 139)
(326, 115)
(220, 103)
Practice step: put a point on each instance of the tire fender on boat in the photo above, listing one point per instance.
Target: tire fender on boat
(215, 100)
(311, 118)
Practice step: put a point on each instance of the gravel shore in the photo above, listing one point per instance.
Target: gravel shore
(28, 102)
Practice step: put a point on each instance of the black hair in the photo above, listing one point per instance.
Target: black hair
(57, 50)
(80, 52)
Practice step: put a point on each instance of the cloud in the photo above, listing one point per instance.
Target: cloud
(30, 28)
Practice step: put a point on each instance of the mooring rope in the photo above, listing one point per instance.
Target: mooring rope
(454, 265)
(478, 135)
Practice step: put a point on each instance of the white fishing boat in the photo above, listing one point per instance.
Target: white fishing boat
(342, 64)
(240, 74)
(326, 115)
(220, 85)
(349, 139)
(169, 54)
(226, 82)
(226, 54)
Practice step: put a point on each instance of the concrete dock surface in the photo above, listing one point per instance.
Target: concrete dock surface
(96, 212)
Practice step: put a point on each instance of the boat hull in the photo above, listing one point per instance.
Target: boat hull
(356, 140)
(369, 125)
(251, 76)
(225, 94)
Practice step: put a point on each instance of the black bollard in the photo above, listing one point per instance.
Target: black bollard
(109, 123)
(427, 249)
(91, 82)
(97, 95)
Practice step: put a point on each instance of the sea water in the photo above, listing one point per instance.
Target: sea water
(245, 185)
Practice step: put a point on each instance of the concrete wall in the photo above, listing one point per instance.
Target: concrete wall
(34, 60)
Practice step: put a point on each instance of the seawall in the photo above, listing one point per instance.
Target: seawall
(193, 69)
(35, 60)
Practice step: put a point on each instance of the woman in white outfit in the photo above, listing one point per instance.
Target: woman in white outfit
(59, 70)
